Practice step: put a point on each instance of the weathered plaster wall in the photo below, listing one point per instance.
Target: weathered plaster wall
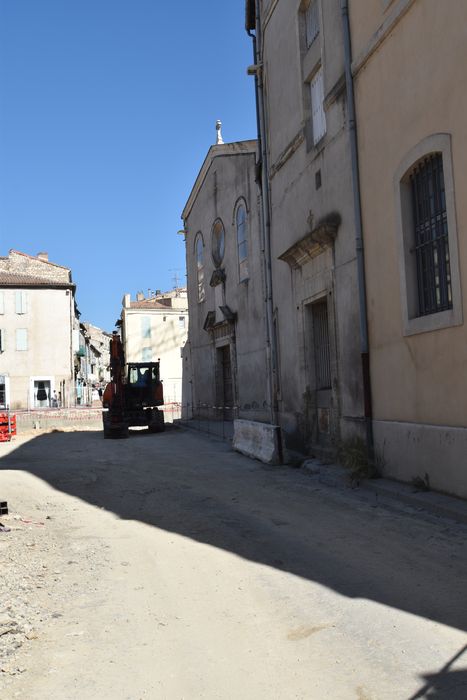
(166, 341)
(410, 88)
(297, 206)
(47, 321)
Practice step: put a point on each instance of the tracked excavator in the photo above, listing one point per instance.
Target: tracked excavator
(133, 395)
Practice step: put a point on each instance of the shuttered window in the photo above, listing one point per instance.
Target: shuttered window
(311, 22)
(145, 327)
(21, 338)
(317, 106)
(21, 302)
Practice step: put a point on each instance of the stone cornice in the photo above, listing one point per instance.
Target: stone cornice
(313, 243)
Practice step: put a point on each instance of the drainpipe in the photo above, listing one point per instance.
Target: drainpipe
(364, 344)
(271, 341)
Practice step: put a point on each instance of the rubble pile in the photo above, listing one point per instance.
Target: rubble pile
(23, 575)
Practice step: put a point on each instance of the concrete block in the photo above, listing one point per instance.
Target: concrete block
(259, 440)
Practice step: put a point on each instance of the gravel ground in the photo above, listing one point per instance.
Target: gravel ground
(167, 566)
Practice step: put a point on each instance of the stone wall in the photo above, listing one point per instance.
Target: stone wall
(22, 264)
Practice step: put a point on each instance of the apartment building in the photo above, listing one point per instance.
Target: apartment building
(37, 317)
(155, 328)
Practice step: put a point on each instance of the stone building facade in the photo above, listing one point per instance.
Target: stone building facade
(225, 362)
(409, 61)
(37, 317)
(306, 166)
(99, 342)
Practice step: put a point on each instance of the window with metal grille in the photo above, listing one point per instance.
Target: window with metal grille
(431, 236)
(322, 350)
(317, 106)
(311, 22)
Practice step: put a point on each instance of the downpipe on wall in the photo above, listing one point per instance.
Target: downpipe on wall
(364, 343)
(271, 341)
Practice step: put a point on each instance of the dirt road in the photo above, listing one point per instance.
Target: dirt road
(168, 567)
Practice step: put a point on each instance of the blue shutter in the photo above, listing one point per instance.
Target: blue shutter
(21, 338)
(21, 302)
(145, 326)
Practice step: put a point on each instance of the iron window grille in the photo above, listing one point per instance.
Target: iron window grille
(321, 344)
(431, 236)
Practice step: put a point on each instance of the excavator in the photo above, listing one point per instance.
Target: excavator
(133, 395)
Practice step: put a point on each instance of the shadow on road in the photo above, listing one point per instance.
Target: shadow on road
(198, 488)
(447, 683)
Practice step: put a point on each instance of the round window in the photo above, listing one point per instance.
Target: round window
(218, 242)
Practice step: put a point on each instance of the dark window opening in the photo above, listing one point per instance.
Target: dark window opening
(322, 349)
(431, 236)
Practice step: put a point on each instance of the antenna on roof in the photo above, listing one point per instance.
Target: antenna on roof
(175, 278)
(219, 139)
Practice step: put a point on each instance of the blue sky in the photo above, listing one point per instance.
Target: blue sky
(107, 110)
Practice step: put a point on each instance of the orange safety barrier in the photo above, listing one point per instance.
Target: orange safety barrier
(7, 426)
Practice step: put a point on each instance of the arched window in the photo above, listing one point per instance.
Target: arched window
(218, 242)
(199, 252)
(242, 241)
(426, 227)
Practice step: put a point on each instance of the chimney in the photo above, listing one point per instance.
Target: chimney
(139, 296)
(43, 256)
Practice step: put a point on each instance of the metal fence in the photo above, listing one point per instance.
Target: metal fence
(212, 419)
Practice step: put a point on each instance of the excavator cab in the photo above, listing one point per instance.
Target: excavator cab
(143, 385)
(132, 400)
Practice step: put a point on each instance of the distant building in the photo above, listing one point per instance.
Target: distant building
(37, 318)
(155, 329)
(99, 342)
(91, 358)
